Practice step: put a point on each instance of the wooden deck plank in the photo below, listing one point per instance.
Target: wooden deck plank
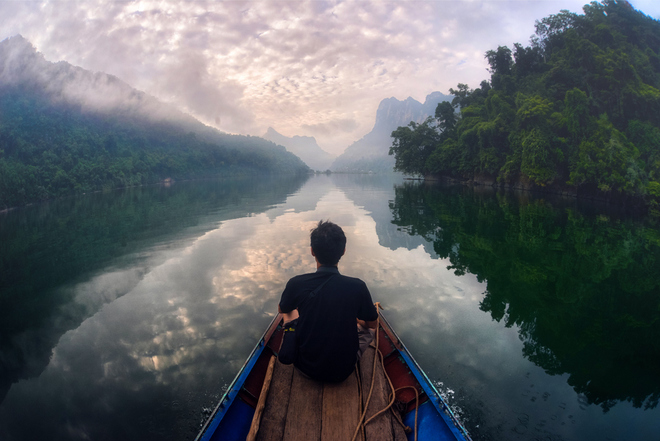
(303, 421)
(381, 427)
(313, 411)
(341, 410)
(273, 420)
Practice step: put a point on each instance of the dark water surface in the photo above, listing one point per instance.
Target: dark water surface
(123, 316)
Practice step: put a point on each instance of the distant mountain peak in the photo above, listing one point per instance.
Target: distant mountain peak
(18, 41)
(16, 55)
(16, 47)
(370, 153)
(435, 95)
(21, 64)
(305, 147)
(96, 121)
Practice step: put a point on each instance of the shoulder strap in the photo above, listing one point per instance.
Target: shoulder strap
(318, 288)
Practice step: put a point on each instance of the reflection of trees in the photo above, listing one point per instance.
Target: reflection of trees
(583, 289)
(49, 246)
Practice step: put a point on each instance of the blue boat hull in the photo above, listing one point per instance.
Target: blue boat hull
(232, 417)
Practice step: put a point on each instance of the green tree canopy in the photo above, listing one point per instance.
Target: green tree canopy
(577, 110)
(50, 149)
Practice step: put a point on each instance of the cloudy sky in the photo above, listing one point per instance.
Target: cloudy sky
(315, 68)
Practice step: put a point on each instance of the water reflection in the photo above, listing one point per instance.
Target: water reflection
(61, 262)
(582, 290)
(159, 341)
(147, 339)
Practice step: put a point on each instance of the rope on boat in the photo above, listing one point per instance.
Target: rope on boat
(371, 388)
(379, 356)
(406, 428)
(359, 382)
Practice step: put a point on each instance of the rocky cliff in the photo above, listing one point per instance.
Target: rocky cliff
(370, 153)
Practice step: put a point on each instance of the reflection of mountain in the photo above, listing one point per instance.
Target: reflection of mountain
(68, 130)
(304, 147)
(48, 249)
(584, 290)
(371, 152)
(375, 192)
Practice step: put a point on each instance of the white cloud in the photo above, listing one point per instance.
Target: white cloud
(302, 67)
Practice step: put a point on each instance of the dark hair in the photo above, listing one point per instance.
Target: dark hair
(328, 242)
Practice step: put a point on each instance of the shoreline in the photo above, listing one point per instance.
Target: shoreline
(636, 203)
(167, 182)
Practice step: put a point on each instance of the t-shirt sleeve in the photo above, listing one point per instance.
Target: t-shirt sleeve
(288, 302)
(367, 311)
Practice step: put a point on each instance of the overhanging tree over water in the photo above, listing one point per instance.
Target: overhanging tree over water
(579, 108)
(583, 289)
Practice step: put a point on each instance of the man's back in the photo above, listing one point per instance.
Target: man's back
(327, 329)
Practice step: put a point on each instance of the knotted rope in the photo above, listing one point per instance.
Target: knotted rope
(378, 355)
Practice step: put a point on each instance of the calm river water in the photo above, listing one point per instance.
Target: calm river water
(123, 316)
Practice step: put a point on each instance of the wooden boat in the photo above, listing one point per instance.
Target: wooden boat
(271, 401)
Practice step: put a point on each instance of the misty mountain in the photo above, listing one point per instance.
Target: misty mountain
(64, 130)
(304, 147)
(371, 152)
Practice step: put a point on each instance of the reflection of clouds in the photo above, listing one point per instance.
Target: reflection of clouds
(184, 329)
(104, 288)
(425, 300)
(268, 257)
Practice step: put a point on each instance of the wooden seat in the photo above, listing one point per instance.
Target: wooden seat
(301, 409)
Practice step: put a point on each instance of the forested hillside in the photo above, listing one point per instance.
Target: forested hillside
(304, 147)
(581, 287)
(577, 110)
(64, 130)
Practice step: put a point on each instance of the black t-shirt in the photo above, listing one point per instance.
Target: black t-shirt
(327, 331)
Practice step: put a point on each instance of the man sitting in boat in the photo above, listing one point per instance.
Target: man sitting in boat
(326, 332)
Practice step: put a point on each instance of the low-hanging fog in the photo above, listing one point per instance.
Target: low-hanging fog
(314, 68)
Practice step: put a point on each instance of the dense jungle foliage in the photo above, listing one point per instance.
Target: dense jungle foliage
(581, 285)
(578, 109)
(49, 150)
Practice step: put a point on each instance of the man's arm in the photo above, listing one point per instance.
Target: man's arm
(367, 310)
(288, 316)
(372, 324)
(292, 312)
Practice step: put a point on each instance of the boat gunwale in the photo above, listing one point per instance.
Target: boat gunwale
(431, 392)
(228, 398)
(213, 421)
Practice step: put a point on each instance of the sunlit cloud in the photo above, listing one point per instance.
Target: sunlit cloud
(315, 68)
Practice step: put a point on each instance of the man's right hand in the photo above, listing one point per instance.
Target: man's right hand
(290, 316)
(372, 324)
